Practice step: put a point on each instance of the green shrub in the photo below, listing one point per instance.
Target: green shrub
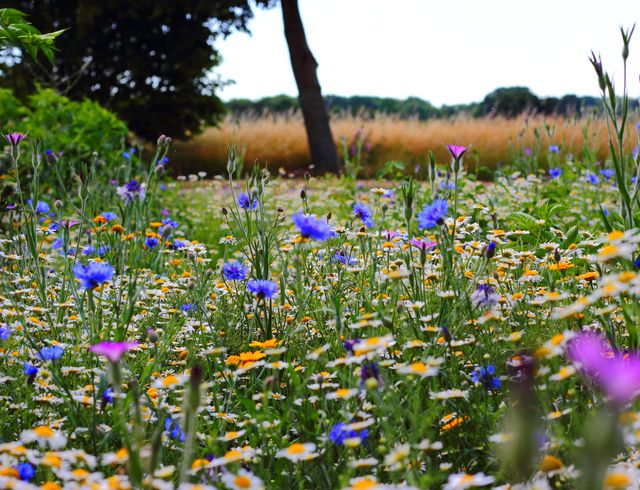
(73, 131)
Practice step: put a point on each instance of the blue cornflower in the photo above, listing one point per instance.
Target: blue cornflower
(109, 215)
(432, 214)
(636, 263)
(592, 178)
(25, 471)
(151, 242)
(338, 434)
(244, 201)
(187, 307)
(350, 344)
(486, 377)
(52, 353)
(555, 172)
(171, 223)
(342, 257)
(41, 206)
(262, 288)
(554, 149)
(4, 332)
(88, 250)
(107, 395)
(369, 370)
(490, 250)
(29, 369)
(311, 227)
(363, 212)
(93, 274)
(607, 173)
(174, 430)
(178, 244)
(234, 271)
(484, 295)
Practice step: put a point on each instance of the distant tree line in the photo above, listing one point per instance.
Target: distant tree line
(507, 102)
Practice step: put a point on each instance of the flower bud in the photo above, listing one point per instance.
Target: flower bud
(371, 384)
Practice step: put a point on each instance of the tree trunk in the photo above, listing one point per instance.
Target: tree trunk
(316, 120)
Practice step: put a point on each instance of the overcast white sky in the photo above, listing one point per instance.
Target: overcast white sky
(444, 51)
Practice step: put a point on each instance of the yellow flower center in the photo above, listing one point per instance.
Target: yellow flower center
(617, 480)
(43, 431)
(296, 448)
(242, 481)
(364, 484)
(170, 380)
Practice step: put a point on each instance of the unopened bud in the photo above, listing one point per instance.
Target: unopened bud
(371, 384)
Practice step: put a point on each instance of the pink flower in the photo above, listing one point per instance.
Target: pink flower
(69, 223)
(588, 350)
(15, 138)
(617, 375)
(112, 350)
(457, 151)
(422, 244)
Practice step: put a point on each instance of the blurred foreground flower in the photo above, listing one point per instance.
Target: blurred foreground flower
(617, 375)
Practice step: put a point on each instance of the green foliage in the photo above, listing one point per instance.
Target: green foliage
(149, 61)
(15, 31)
(12, 110)
(75, 128)
(75, 132)
(503, 101)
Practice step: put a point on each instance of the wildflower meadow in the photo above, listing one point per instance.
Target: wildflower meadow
(254, 331)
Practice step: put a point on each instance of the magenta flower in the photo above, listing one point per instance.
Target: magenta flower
(617, 375)
(15, 138)
(457, 151)
(112, 350)
(422, 244)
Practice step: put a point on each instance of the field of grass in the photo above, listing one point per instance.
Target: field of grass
(280, 140)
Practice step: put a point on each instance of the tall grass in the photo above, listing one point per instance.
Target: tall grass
(280, 140)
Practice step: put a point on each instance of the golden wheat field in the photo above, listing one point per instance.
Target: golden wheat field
(279, 140)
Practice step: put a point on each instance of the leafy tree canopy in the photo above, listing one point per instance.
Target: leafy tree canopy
(16, 32)
(149, 61)
(508, 102)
